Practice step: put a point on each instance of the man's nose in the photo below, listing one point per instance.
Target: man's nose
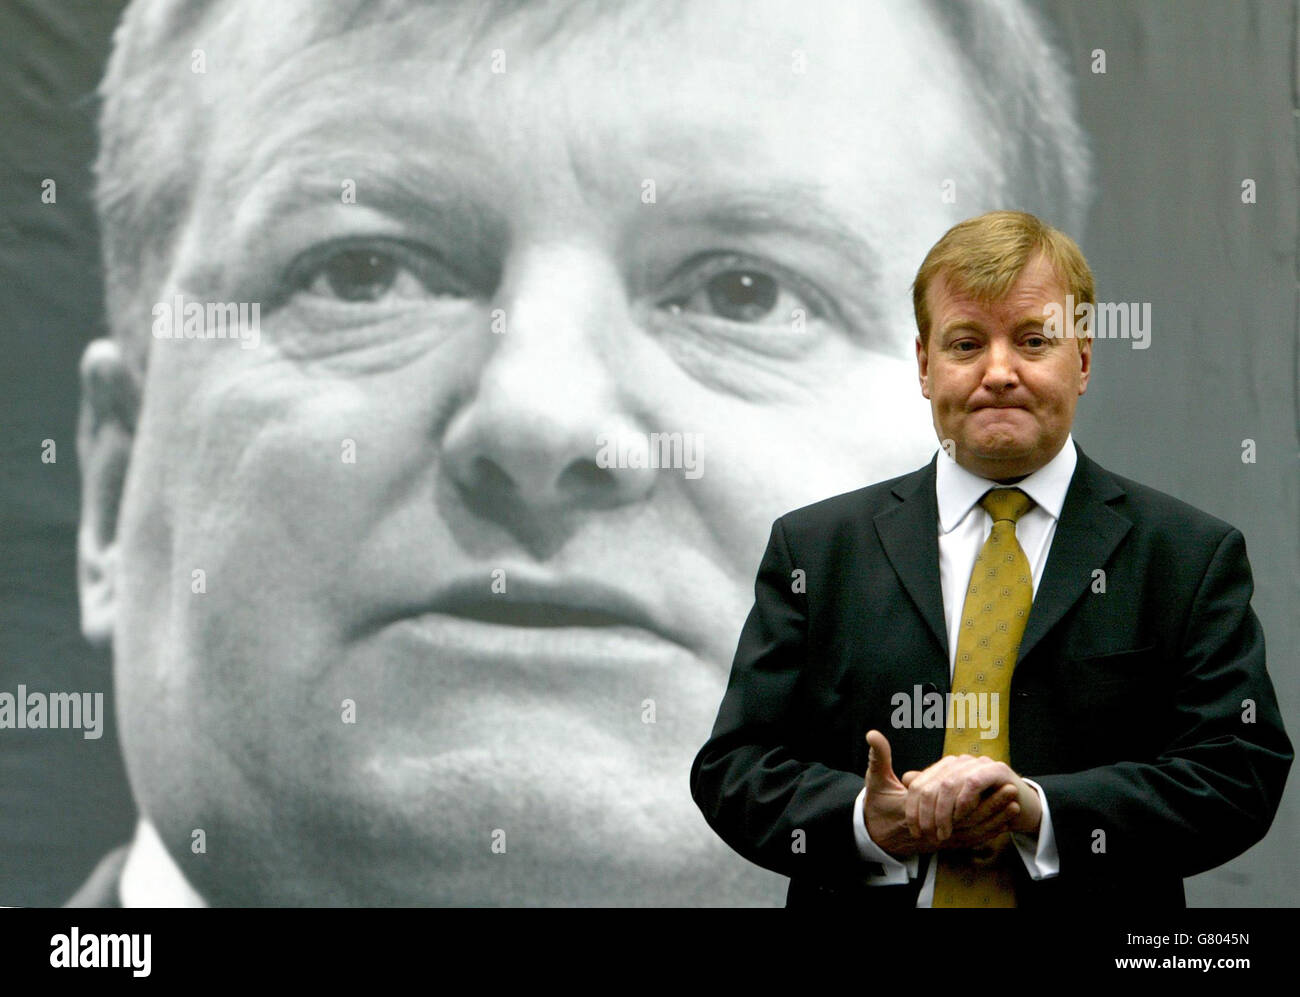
(1000, 365)
(527, 441)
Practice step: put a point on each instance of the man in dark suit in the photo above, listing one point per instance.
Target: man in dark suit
(1091, 727)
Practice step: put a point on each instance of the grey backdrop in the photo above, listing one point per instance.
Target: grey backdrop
(1196, 97)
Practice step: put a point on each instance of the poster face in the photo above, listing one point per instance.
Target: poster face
(404, 394)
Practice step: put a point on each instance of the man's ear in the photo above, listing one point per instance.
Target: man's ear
(1085, 363)
(105, 432)
(923, 366)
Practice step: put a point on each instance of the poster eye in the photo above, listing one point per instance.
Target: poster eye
(375, 272)
(355, 275)
(742, 295)
(744, 291)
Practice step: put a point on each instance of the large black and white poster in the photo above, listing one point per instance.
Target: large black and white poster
(397, 397)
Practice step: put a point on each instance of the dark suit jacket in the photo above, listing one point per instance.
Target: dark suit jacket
(1131, 706)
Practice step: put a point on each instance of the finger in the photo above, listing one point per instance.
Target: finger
(952, 783)
(930, 798)
(911, 807)
(999, 823)
(982, 776)
(946, 797)
(993, 802)
(984, 832)
(918, 799)
(918, 796)
(923, 789)
(979, 783)
(908, 777)
(925, 813)
(880, 762)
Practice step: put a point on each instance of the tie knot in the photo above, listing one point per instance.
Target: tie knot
(1006, 503)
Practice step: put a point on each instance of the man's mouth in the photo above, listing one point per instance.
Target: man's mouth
(521, 598)
(536, 612)
(537, 625)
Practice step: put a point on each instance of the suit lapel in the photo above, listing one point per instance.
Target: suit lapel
(1087, 533)
(909, 533)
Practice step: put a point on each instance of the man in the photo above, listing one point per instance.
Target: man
(386, 628)
(1091, 725)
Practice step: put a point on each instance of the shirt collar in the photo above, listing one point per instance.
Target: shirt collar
(151, 877)
(958, 489)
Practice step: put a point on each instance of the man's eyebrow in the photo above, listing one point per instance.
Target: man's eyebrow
(271, 198)
(960, 325)
(302, 164)
(973, 325)
(790, 209)
(393, 183)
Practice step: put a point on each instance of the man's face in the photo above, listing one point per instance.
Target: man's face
(1002, 391)
(658, 226)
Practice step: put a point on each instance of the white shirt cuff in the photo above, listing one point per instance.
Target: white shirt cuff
(880, 868)
(1039, 854)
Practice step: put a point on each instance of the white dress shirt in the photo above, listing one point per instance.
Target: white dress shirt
(963, 528)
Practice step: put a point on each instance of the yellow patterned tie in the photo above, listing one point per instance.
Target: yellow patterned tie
(993, 620)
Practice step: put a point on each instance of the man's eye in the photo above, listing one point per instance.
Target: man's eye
(742, 295)
(358, 274)
(363, 274)
(734, 289)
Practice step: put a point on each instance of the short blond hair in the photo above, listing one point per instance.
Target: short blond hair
(983, 257)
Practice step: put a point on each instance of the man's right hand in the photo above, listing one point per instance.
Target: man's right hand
(885, 810)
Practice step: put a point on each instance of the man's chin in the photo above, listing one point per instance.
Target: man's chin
(1001, 445)
(537, 847)
(508, 822)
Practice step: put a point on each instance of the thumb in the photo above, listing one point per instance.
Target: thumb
(880, 762)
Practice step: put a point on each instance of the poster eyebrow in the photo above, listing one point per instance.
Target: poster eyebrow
(793, 209)
(424, 198)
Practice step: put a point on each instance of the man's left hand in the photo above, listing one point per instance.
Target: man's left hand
(941, 796)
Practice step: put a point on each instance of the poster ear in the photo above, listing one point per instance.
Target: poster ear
(105, 434)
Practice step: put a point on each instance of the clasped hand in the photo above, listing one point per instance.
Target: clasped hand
(961, 801)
